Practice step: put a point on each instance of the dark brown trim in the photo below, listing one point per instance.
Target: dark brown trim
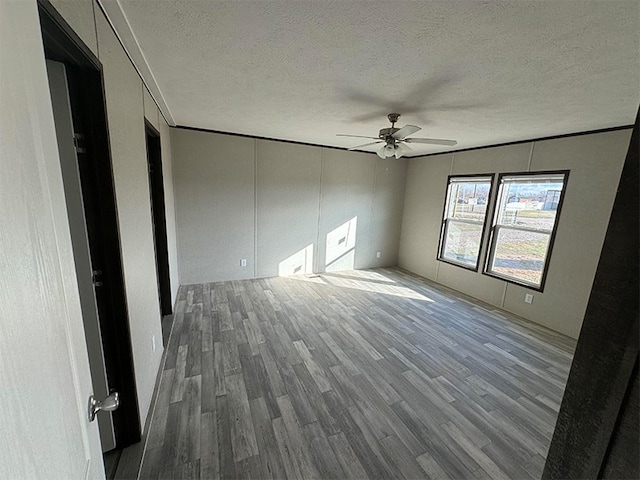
(254, 137)
(151, 128)
(158, 216)
(466, 267)
(439, 256)
(61, 41)
(490, 251)
(518, 142)
(592, 413)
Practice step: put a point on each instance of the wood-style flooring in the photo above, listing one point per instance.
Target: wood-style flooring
(358, 374)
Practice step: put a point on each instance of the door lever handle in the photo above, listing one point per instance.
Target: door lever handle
(109, 404)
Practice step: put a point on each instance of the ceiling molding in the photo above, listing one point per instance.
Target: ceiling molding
(531, 140)
(120, 25)
(271, 139)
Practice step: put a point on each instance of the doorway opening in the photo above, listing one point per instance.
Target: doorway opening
(158, 217)
(75, 78)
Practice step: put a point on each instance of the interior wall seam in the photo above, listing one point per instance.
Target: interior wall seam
(372, 209)
(316, 267)
(530, 156)
(504, 295)
(255, 208)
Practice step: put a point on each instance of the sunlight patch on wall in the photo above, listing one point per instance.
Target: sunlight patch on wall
(300, 263)
(340, 247)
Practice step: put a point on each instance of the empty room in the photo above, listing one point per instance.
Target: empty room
(319, 239)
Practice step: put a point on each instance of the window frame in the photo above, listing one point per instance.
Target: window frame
(490, 250)
(444, 224)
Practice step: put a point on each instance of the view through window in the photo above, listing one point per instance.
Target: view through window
(523, 226)
(464, 219)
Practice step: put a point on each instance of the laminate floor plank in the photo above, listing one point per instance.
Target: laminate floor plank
(344, 453)
(301, 452)
(324, 458)
(209, 463)
(316, 399)
(243, 436)
(225, 451)
(189, 432)
(270, 459)
(157, 429)
(358, 374)
(285, 447)
(371, 463)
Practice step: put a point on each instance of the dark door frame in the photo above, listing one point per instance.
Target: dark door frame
(597, 410)
(158, 216)
(86, 90)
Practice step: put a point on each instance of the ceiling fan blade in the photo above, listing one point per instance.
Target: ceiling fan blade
(404, 148)
(401, 149)
(405, 131)
(355, 136)
(365, 145)
(432, 141)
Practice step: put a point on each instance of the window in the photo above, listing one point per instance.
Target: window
(524, 225)
(465, 211)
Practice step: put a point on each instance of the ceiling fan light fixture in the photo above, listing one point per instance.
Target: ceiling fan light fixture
(390, 150)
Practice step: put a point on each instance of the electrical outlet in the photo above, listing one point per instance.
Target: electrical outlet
(153, 342)
(243, 262)
(378, 254)
(528, 298)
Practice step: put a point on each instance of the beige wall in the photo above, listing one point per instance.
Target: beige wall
(215, 200)
(125, 114)
(595, 162)
(285, 208)
(80, 14)
(347, 189)
(127, 104)
(43, 354)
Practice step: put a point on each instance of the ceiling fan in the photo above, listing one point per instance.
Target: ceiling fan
(395, 139)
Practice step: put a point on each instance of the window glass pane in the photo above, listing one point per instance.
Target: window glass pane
(520, 254)
(464, 217)
(526, 214)
(529, 203)
(468, 200)
(462, 242)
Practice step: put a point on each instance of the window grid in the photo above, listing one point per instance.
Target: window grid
(464, 220)
(505, 224)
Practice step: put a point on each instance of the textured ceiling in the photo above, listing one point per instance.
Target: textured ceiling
(478, 72)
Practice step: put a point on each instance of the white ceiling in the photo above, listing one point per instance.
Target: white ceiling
(478, 72)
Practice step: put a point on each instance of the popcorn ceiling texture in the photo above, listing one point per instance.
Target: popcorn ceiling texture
(478, 72)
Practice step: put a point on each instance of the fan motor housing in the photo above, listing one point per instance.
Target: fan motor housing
(387, 132)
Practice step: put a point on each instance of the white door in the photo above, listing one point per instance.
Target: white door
(44, 370)
(62, 118)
